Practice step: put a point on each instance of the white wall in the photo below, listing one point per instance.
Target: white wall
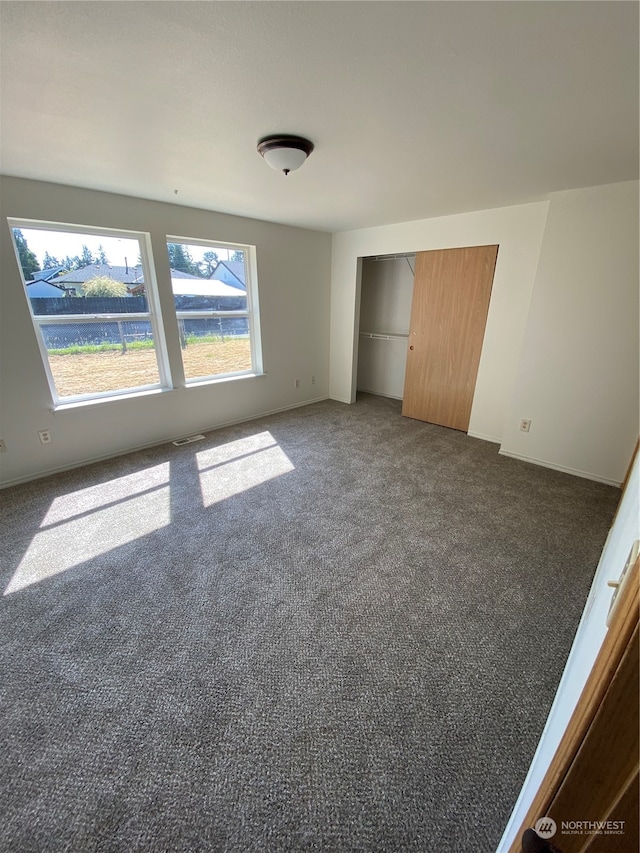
(385, 300)
(294, 288)
(578, 374)
(517, 230)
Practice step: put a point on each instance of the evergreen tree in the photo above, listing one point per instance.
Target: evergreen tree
(101, 257)
(49, 262)
(209, 264)
(28, 259)
(86, 258)
(70, 264)
(237, 255)
(180, 258)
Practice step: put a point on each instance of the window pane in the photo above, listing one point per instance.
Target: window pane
(58, 264)
(206, 271)
(208, 278)
(214, 345)
(91, 358)
(97, 274)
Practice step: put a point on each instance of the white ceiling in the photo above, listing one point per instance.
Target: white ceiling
(416, 109)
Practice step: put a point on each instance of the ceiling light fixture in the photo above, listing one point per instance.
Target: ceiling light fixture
(285, 153)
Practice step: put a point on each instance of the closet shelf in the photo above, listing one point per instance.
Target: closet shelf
(383, 336)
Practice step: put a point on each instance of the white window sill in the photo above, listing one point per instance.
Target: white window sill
(151, 392)
(217, 380)
(111, 398)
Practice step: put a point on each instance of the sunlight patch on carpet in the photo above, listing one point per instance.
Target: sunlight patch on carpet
(76, 503)
(240, 465)
(85, 524)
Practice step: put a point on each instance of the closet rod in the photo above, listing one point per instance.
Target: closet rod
(397, 257)
(382, 336)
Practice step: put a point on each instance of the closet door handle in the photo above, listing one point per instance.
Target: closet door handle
(411, 347)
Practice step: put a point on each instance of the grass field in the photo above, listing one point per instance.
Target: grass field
(93, 372)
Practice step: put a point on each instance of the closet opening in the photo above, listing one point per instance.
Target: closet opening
(421, 330)
(385, 313)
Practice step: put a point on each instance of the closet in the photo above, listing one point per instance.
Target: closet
(385, 311)
(425, 348)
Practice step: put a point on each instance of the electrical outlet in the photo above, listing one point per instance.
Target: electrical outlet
(45, 436)
(296, 384)
(525, 425)
(3, 446)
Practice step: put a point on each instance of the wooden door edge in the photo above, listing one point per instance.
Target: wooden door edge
(630, 466)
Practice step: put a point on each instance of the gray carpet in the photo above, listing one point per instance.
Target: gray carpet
(333, 629)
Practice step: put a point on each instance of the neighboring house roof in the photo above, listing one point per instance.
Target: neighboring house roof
(43, 290)
(133, 277)
(180, 274)
(46, 275)
(127, 275)
(232, 272)
(138, 288)
(202, 287)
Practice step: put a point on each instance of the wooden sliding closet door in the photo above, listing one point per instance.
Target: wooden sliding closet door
(451, 293)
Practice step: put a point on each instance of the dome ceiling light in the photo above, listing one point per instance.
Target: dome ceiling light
(285, 153)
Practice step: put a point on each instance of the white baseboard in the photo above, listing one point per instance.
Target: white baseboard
(563, 468)
(92, 459)
(379, 394)
(481, 435)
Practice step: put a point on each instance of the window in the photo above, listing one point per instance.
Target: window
(216, 308)
(93, 307)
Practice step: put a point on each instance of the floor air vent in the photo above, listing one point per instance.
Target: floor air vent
(191, 438)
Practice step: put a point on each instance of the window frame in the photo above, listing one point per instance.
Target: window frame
(153, 316)
(252, 312)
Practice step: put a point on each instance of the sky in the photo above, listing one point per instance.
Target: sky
(60, 244)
